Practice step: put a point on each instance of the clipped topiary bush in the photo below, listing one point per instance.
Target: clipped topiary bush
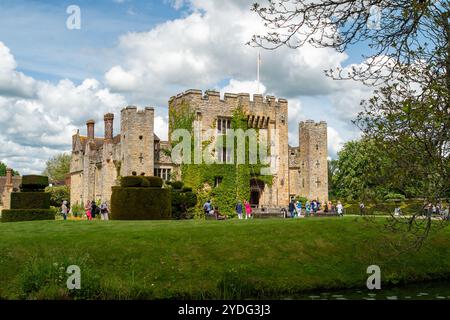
(177, 185)
(33, 182)
(31, 204)
(131, 181)
(154, 182)
(133, 203)
(14, 215)
(30, 200)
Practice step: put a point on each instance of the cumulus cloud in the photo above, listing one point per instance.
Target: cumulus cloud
(251, 87)
(39, 124)
(13, 83)
(204, 48)
(335, 142)
(209, 45)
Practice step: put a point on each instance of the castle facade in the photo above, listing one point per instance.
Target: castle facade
(98, 162)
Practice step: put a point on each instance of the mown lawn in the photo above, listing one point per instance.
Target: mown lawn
(206, 259)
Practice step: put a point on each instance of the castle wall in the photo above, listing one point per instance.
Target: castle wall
(264, 113)
(109, 172)
(137, 141)
(313, 160)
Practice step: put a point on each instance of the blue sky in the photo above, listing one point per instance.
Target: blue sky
(142, 52)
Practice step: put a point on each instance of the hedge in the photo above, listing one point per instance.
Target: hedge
(140, 203)
(182, 201)
(177, 185)
(141, 182)
(131, 181)
(155, 182)
(14, 215)
(383, 208)
(30, 200)
(34, 182)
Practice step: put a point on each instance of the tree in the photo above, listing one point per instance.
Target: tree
(58, 194)
(397, 32)
(57, 167)
(409, 58)
(3, 168)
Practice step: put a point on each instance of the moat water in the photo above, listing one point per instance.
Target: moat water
(421, 291)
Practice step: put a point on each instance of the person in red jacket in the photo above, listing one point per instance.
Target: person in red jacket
(248, 210)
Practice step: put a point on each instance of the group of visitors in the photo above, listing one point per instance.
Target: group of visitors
(213, 211)
(436, 210)
(92, 210)
(314, 208)
(247, 207)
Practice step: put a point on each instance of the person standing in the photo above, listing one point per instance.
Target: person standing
(239, 210)
(248, 210)
(64, 209)
(87, 209)
(361, 208)
(340, 209)
(104, 211)
(94, 209)
(299, 209)
(292, 208)
(307, 208)
(207, 207)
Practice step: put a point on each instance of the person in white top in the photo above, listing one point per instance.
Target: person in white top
(340, 208)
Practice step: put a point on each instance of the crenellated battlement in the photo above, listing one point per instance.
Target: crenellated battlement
(212, 95)
(312, 124)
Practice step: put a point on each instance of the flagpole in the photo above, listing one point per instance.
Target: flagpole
(258, 62)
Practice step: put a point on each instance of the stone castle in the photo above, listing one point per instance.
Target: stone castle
(97, 162)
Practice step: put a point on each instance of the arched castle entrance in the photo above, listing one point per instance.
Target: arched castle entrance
(256, 189)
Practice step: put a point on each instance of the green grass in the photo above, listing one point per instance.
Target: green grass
(206, 259)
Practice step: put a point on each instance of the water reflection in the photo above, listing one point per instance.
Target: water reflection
(427, 291)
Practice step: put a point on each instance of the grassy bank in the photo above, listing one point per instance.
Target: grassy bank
(206, 259)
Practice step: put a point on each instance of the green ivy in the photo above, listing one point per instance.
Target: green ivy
(235, 178)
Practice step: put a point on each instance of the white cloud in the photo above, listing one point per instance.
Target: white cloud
(335, 142)
(13, 83)
(37, 126)
(251, 87)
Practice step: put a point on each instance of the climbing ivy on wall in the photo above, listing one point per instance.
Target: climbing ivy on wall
(234, 178)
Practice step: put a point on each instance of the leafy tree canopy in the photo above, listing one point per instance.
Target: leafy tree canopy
(57, 167)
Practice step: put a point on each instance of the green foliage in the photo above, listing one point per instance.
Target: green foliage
(183, 201)
(154, 182)
(140, 203)
(302, 200)
(131, 181)
(57, 167)
(77, 210)
(58, 194)
(33, 183)
(141, 182)
(234, 178)
(3, 170)
(177, 185)
(394, 196)
(360, 172)
(30, 200)
(14, 215)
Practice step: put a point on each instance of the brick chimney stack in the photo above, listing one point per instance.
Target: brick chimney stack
(109, 129)
(9, 174)
(90, 129)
